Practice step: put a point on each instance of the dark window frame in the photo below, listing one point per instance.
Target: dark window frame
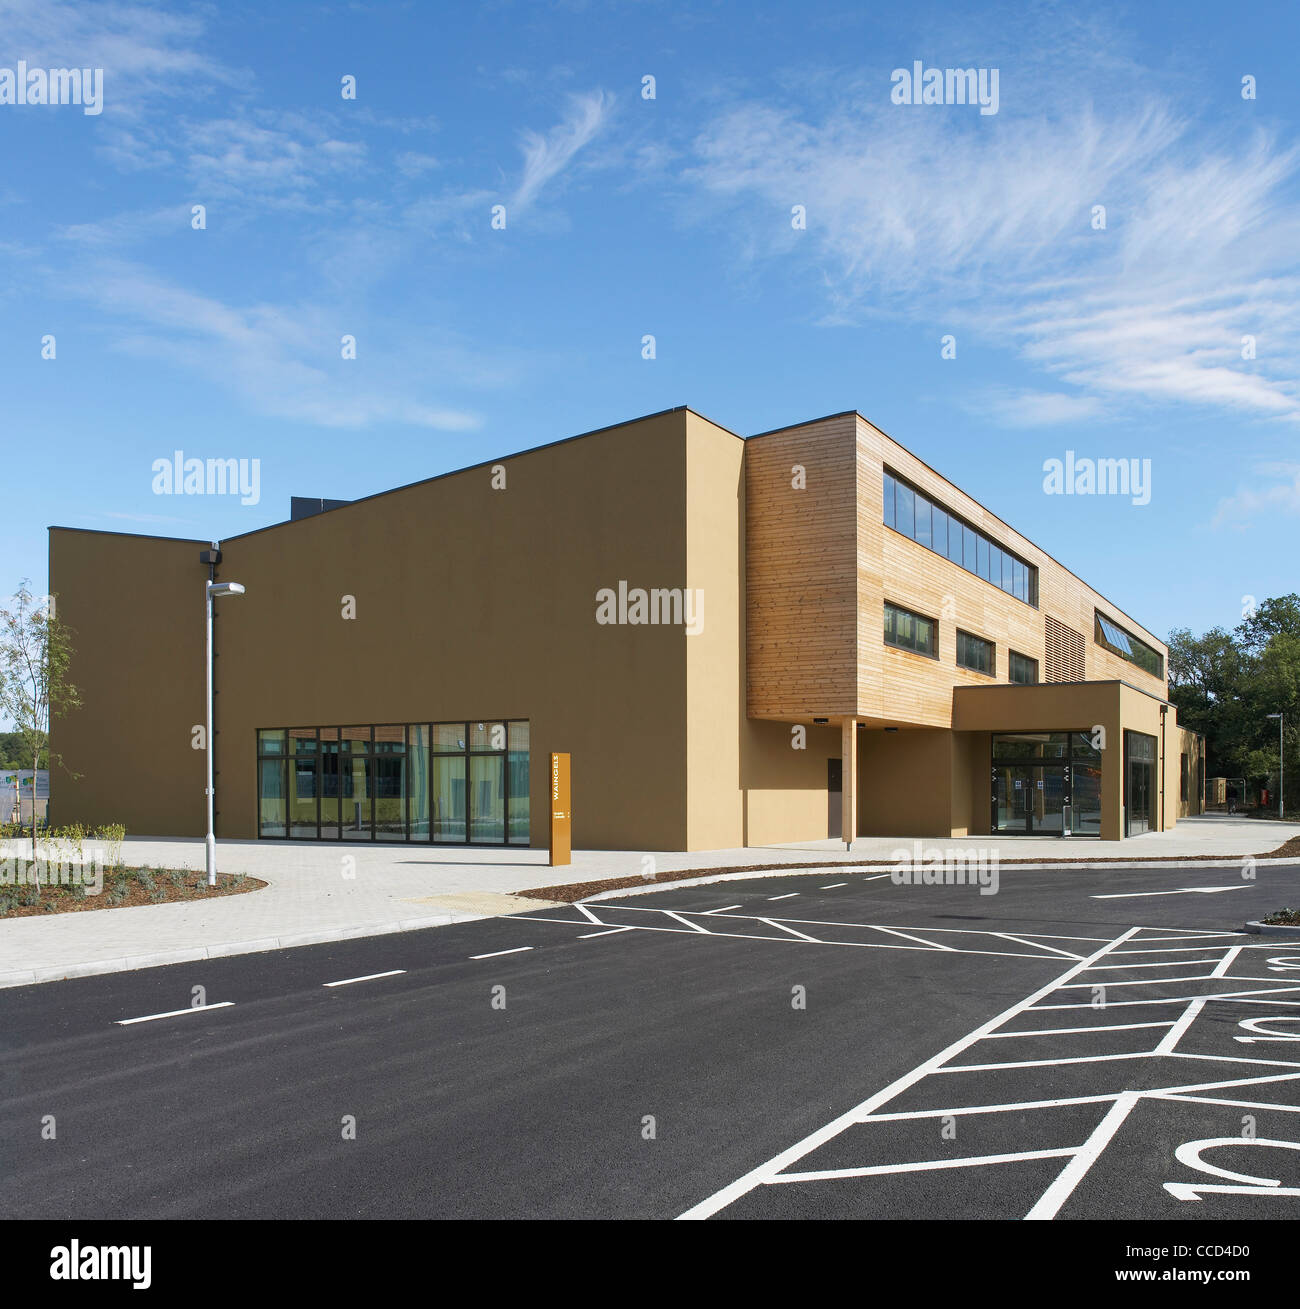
(923, 618)
(1012, 656)
(286, 759)
(992, 669)
(974, 542)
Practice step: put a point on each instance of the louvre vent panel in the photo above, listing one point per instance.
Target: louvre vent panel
(1064, 652)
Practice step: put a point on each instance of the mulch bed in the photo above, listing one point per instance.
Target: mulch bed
(571, 891)
(124, 888)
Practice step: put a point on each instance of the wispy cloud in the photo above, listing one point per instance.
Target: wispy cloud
(986, 225)
(548, 154)
(1276, 491)
(283, 361)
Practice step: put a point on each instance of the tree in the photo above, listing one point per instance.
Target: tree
(35, 650)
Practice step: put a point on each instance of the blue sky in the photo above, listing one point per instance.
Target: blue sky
(670, 217)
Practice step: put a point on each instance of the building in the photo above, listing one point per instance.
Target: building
(739, 642)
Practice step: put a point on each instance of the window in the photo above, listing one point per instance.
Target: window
(1182, 778)
(975, 653)
(445, 782)
(907, 511)
(1111, 636)
(1021, 668)
(909, 631)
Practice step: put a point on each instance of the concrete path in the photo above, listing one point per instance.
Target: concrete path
(319, 893)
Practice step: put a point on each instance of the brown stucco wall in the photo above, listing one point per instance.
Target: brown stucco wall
(135, 604)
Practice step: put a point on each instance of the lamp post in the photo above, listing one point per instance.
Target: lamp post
(211, 590)
(1281, 763)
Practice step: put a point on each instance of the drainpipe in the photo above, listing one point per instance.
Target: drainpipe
(1164, 710)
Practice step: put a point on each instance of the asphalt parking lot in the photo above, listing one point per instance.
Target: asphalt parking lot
(1102, 1044)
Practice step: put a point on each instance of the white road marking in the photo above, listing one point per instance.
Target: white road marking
(789, 895)
(1070, 1031)
(833, 885)
(1182, 890)
(519, 949)
(1194, 1190)
(1179, 1029)
(1155, 963)
(1020, 940)
(781, 927)
(765, 1172)
(854, 945)
(686, 922)
(609, 931)
(369, 977)
(174, 1013)
(928, 1165)
(907, 936)
(586, 913)
(1050, 1202)
(1227, 961)
(725, 909)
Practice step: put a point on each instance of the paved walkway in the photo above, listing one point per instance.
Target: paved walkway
(322, 893)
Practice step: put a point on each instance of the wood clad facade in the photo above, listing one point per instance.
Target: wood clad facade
(821, 563)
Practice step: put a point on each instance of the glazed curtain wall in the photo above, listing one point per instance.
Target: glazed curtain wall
(444, 783)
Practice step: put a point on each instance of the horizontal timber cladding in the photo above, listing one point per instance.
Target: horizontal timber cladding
(1064, 659)
(822, 564)
(801, 491)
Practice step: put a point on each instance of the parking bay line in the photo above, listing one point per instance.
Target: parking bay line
(519, 949)
(765, 1172)
(173, 1013)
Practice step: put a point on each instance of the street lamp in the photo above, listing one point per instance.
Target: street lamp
(211, 590)
(1281, 764)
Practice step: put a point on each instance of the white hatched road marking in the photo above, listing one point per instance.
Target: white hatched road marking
(1119, 1103)
(793, 929)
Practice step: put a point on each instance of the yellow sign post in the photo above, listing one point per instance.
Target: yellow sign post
(561, 812)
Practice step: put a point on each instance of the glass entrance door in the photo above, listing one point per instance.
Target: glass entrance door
(1029, 799)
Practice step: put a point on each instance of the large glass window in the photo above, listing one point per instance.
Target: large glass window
(450, 808)
(907, 511)
(975, 653)
(304, 790)
(909, 631)
(1122, 642)
(445, 782)
(271, 806)
(418, 763)
(518, 783)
